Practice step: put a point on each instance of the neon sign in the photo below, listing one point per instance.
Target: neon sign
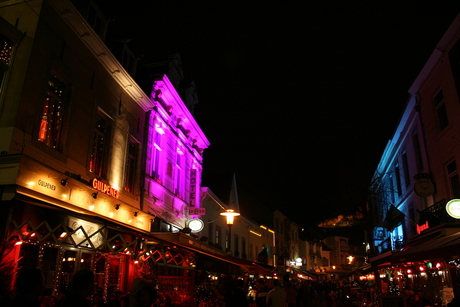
(105, 188)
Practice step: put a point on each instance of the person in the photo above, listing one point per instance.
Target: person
(455, 302)
(29, 285)
(291, 295)
(277, 296)
(81, 289)
(330, 299)
(143, 294)
(262, 291)
(238, 295)
(124, 301)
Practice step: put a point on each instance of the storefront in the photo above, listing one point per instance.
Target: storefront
(61, 242)
(428, 264)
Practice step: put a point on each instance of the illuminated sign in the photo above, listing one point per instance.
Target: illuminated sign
(192, 187)
(422, 227)
(105, 188)
(196, 225)
(453, 208)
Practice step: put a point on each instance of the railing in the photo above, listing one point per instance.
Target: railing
(436, 215)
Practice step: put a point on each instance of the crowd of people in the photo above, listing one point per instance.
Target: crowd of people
(233, 293)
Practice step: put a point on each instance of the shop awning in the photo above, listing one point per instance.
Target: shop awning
(209, 258)
(440, 246)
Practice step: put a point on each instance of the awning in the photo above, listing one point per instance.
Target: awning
(440, 246)
(302, 273)
(209, 258)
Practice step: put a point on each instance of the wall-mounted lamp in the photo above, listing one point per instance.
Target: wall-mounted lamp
(64, 182)
(117, 206)
(152, 220)
(94, 195)
(136, 213)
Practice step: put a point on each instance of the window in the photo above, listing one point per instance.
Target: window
(251, 254)
(210, 232)
(131, 164)
(154, 150)
(398, 180)
(417, 151)
(391, 188)
(226, 240)
(406, 168)
(218, 235)
(178, 178)
(454, 181)
(99, 150)
(243, 248)
(236, 246)
(6, 49)
(441, 111)
(52, 117)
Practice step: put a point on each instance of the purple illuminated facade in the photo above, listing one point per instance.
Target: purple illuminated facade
(173, 157)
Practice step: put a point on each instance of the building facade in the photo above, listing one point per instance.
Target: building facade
(416, 229)
(91, 164)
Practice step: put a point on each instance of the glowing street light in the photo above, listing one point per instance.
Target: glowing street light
(230, 215)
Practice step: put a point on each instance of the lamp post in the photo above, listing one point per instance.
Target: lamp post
(230, 215)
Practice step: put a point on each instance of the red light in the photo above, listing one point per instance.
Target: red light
(409, 271)
(421, 268)
(438, 265)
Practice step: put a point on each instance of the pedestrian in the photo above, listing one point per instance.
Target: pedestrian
(261, 294)
(29, 286)
(143, 294)
(277, 297)
(291, 295)
(238, 295)
(81, 289)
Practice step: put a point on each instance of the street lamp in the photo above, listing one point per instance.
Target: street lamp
(230, 215)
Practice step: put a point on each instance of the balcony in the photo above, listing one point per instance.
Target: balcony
(436, 215)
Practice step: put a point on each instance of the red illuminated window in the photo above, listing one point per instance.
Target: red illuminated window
(52, 119)
(98, 156)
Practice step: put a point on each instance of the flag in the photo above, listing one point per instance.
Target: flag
(263, 256)
(393, 219)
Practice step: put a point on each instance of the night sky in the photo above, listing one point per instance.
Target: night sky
(298, 101)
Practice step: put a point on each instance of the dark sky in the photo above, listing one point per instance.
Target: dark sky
(298, 100)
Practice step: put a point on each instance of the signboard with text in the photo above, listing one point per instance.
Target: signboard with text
(197, 211)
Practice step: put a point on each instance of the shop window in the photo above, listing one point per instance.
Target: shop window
(131, 164)
(99, 149)
(52, 116)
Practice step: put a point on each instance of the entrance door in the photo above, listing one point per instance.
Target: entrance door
(73, 260)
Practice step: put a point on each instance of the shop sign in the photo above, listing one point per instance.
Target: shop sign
(423, 187)
(197, 211)
(196, 225)
(422, 227)
(193, 187)
(85, 231)
(453, 208)
(105, 188)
